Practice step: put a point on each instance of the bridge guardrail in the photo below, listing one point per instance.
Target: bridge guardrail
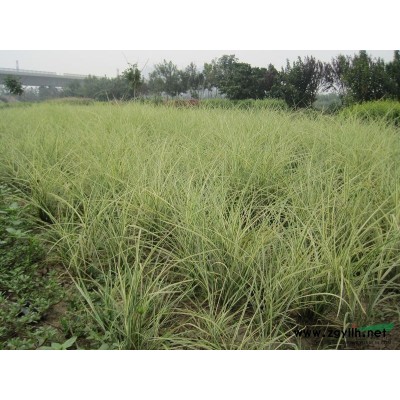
(32, 73)
(28, 71)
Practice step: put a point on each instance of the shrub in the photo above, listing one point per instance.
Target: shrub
(384, 110)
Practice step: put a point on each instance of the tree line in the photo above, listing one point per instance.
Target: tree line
(355, 79)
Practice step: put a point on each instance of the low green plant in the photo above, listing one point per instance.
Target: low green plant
(27, 293)
(60, 346)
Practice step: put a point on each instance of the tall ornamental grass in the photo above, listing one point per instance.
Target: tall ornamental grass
(212, 228)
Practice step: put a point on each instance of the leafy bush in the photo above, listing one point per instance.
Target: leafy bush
(388, 111)
(28, 290)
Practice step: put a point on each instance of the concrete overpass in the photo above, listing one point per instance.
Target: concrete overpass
(41, 78)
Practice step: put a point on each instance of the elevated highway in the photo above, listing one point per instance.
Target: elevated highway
(41, 78)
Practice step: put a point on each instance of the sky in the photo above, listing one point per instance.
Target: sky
(265, 32)
(107, 62)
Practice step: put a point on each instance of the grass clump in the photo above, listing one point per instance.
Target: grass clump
(211, 228)
(80, 101)
(247, 104)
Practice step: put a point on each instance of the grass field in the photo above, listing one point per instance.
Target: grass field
(210, 228)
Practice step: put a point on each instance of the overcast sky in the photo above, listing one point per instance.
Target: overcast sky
(103, 62)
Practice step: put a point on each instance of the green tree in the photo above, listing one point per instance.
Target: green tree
(244, 82)
(134, 78)
(210, 71)
(301, 81)
(225, 66)
(192, 80)
(272, 82)
(239, 80)
(259, 83)
(13, 85)
(366, 78)
(166, 78)
(235, 80)
(335, 75)
(393, 72)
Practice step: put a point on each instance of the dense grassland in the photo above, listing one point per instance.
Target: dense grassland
(211, 228)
